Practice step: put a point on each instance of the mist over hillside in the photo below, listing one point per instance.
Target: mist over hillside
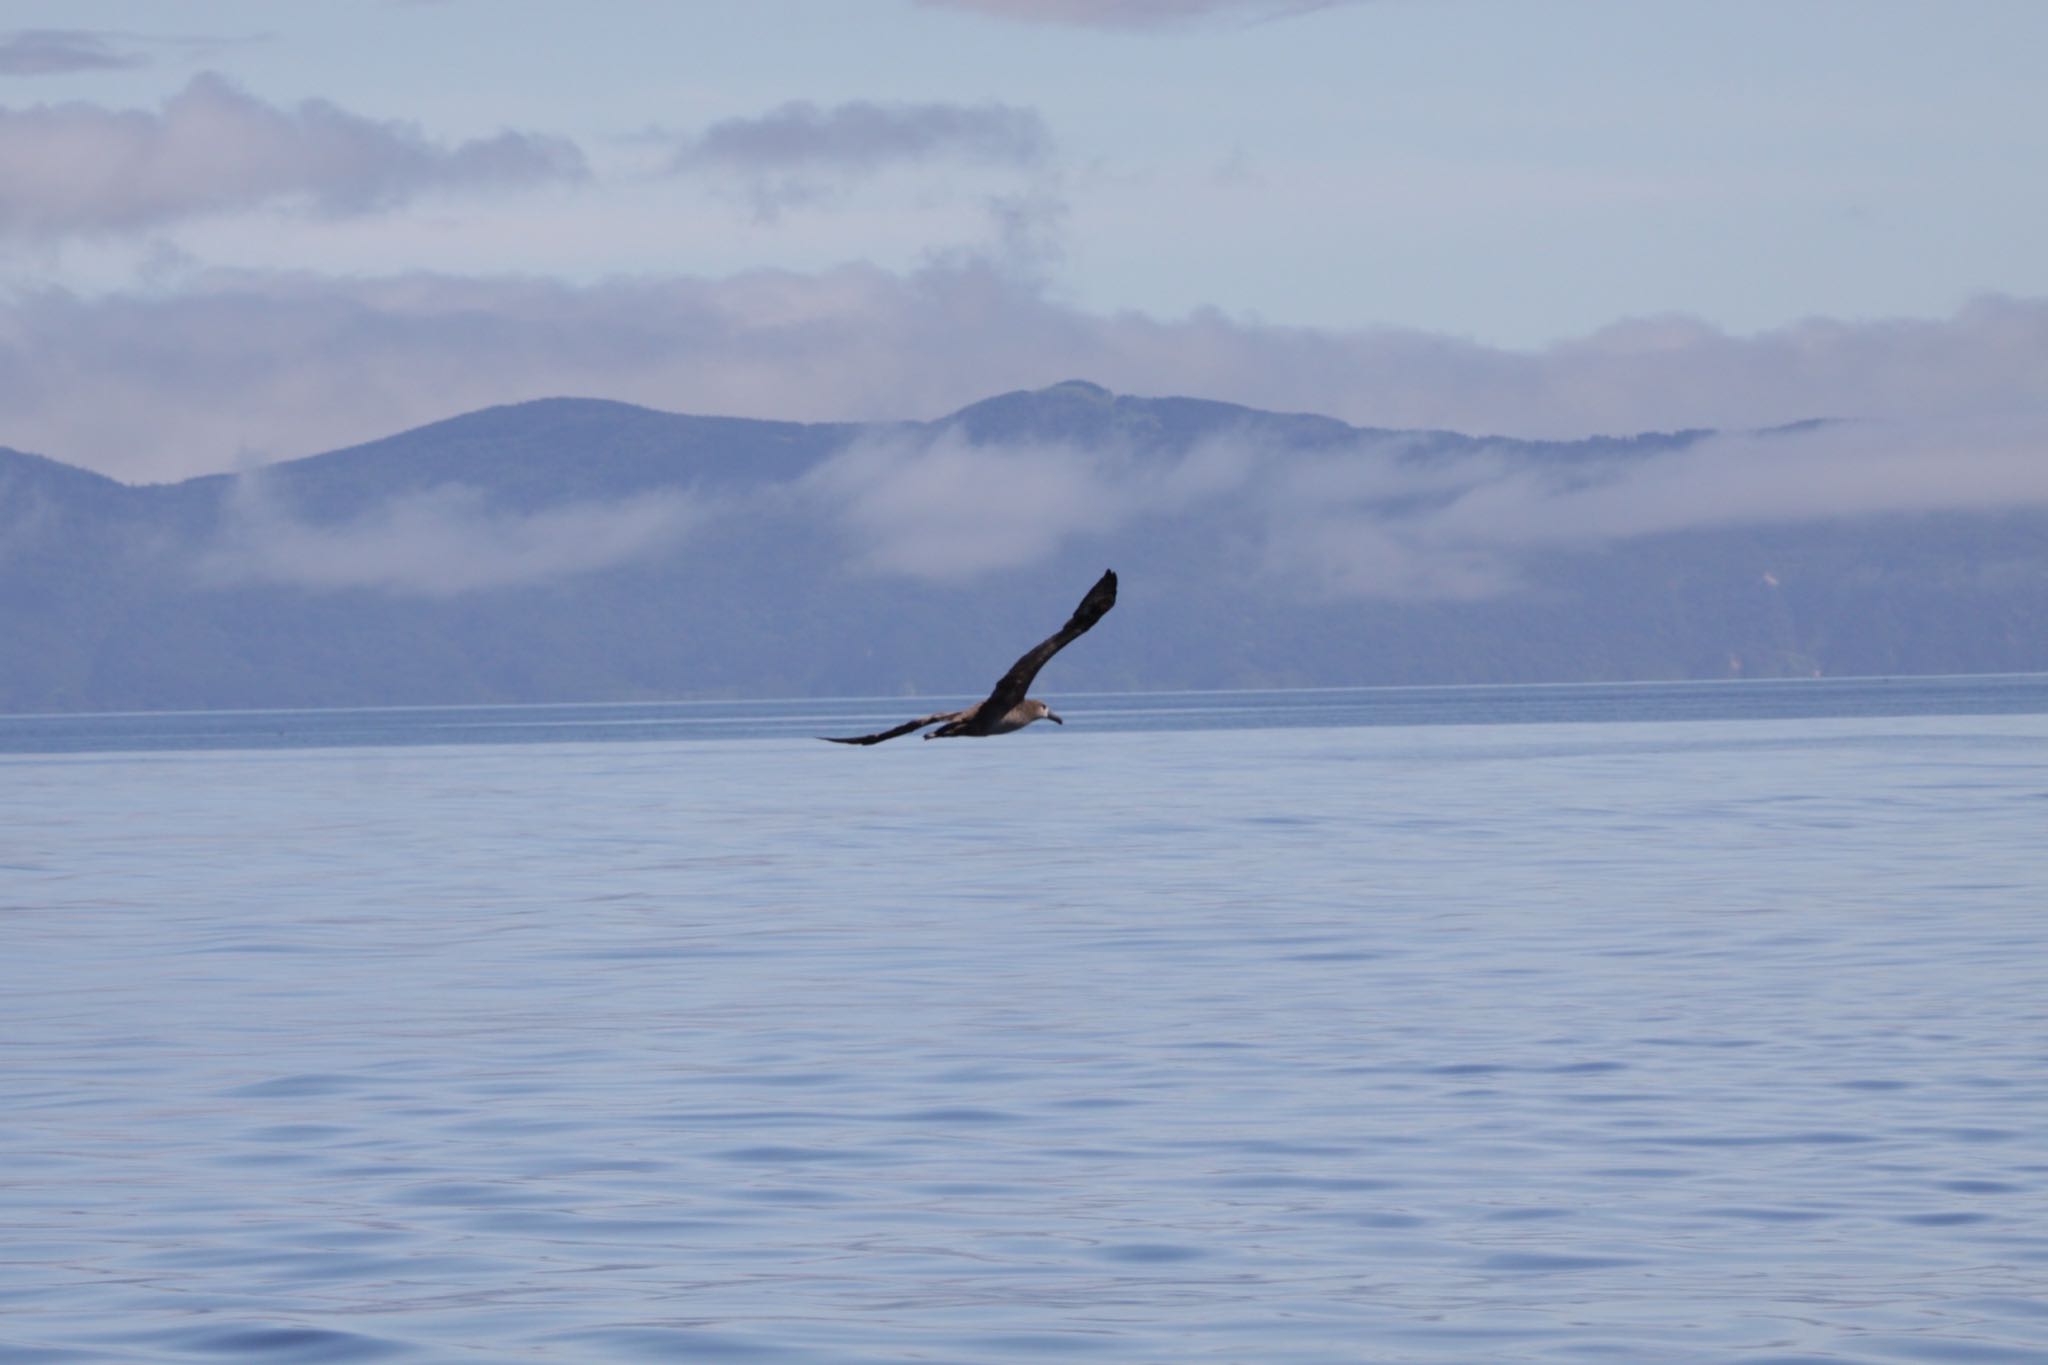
(572, 549)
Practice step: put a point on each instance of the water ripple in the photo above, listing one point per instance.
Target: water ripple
(1289, 1045)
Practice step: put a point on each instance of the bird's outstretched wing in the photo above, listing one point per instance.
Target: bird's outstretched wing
(905, 728)
(1017, 681)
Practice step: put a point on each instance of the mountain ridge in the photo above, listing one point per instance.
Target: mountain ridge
(566, 549)
(1016, 414)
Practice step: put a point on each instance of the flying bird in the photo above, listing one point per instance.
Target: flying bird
(1007, 708)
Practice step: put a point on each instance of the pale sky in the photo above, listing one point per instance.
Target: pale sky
(234, 231)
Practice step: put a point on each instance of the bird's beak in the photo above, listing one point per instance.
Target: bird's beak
(1054, 719)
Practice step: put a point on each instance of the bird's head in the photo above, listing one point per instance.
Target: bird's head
(1038, 710)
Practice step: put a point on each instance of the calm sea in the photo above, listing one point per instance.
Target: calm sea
(1668, 1023)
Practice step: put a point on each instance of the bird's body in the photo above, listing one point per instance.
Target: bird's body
(1016, 718)
(1007, 708)
(1021, 715)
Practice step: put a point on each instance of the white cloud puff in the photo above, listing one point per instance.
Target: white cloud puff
(82, 168)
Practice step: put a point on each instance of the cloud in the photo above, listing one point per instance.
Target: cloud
(1948, 414)
(82, 168)
(1467, 526)
(1349, 522)
(152, 385)
(1828, 471)
(1135, 14)
(800, 152)
(442, 542)
(1394, 516)
(942, 508)
(946, 508)
(863, 136)
(54, 51)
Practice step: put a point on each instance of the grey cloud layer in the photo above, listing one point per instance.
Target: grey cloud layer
(800, 152)
(53, 51)
(237, 366)
(862, 136)
(71, 168)
(1134, 14)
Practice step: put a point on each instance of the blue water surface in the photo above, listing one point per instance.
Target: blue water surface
(1774, 699)
(1679, 1023)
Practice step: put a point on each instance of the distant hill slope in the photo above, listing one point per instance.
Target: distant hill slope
(572, 549)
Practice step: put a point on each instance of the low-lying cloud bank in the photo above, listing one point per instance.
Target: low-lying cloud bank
(1389, 519)
(1390, 516)
(947, 509)
(235, 368)
(442, 542)
(1473, 528)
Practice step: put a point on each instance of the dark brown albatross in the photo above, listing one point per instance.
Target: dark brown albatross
(1007, 708)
